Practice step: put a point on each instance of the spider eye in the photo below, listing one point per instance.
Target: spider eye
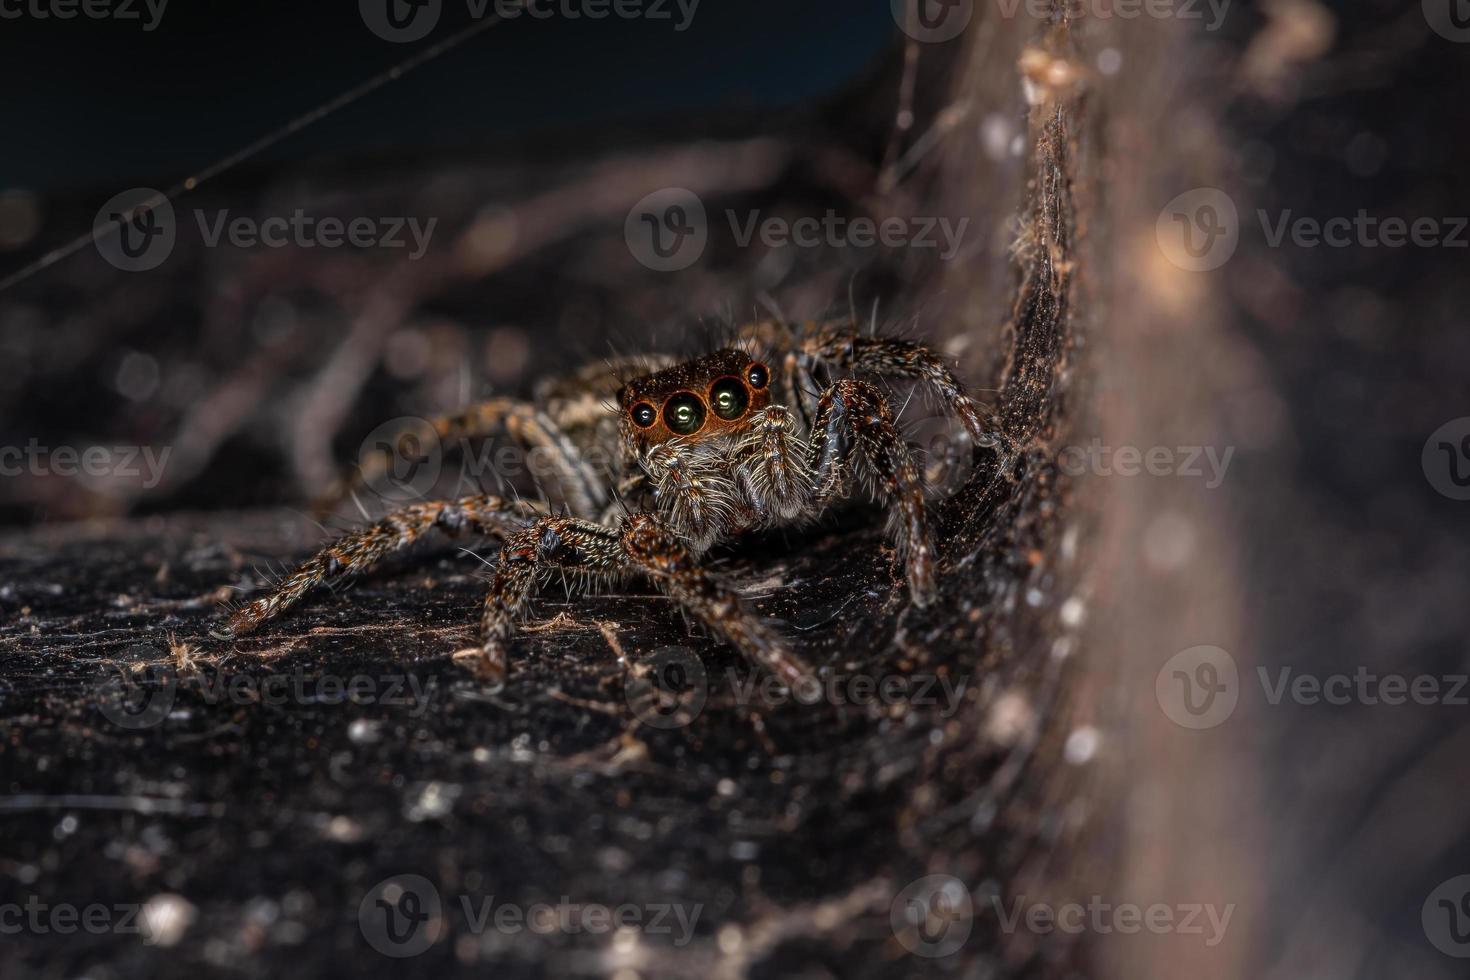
(728, 398)
(684, 414)
(757, 375)
(643, 415)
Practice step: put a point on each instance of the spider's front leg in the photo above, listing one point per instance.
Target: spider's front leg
(358, 551)
(854, 414)
(845, 350)
(643, 543)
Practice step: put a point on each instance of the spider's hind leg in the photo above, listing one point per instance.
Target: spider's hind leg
(360, 550)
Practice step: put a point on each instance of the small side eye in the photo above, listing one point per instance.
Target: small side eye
(684, 414)
(728, 398)
(757, 375)
(643, 415)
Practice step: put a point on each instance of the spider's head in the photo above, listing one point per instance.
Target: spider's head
(695, 400)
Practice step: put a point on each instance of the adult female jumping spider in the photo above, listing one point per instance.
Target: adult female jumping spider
(768, 431)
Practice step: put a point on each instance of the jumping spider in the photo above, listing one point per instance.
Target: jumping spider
(763, 433)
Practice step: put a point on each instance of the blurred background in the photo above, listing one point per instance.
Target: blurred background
(1145, 266)
(238, 367)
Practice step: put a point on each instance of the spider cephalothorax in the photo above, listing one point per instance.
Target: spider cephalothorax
(695, 400)
(720, 457)
(768, 431)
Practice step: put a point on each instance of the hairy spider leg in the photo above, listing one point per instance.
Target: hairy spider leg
(845, 350)
(643, 544)
(854, 414)
(355, 553)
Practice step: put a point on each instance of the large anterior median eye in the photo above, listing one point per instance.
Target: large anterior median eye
(643, 415)
(684, 414)
(728, 398)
